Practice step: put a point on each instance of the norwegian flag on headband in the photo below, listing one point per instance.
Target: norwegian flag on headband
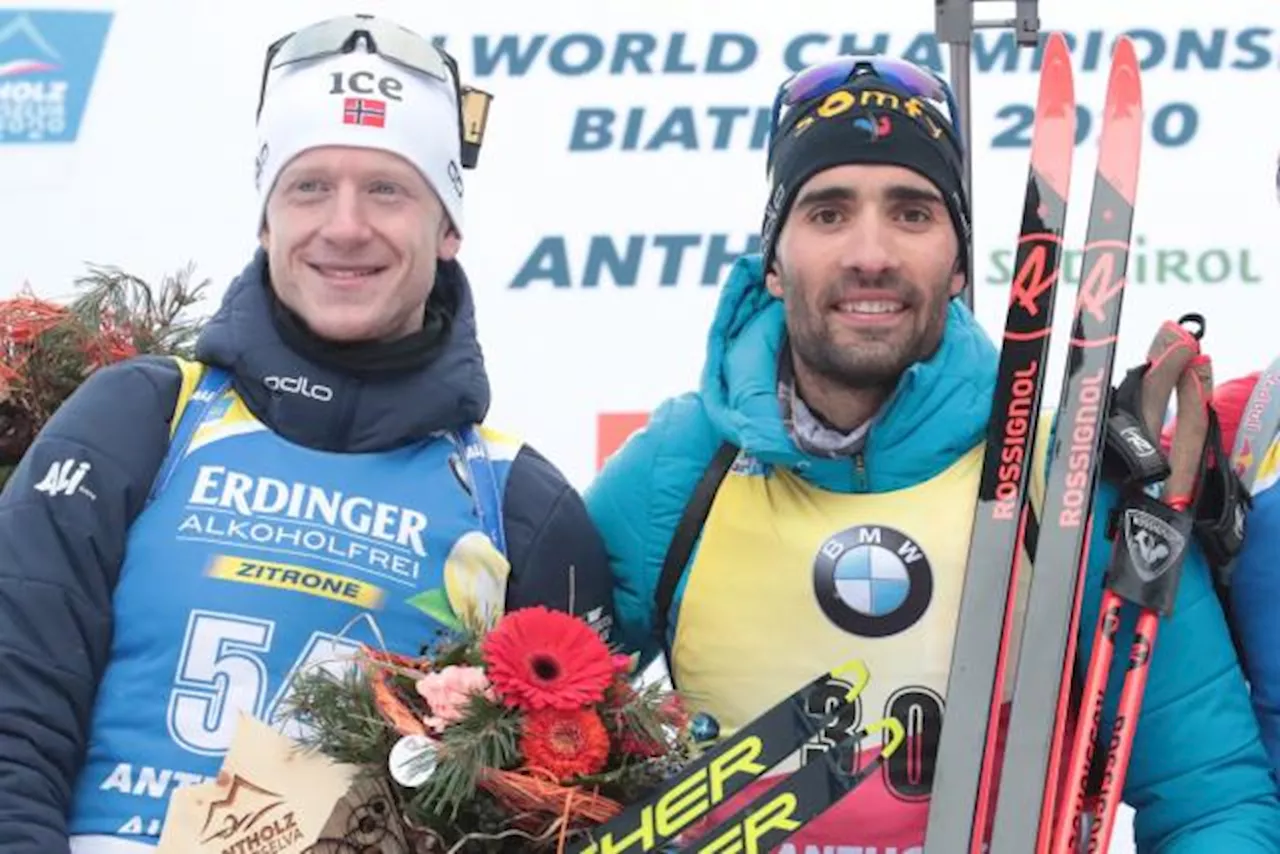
(364, 111)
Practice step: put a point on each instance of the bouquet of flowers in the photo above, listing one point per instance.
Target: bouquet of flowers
(48, 348)
(514, 738)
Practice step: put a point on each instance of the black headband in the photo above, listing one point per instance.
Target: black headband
(864, 122)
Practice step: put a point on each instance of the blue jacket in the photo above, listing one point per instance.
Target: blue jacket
(1199, 778)
(60, 555)
(1255, 603)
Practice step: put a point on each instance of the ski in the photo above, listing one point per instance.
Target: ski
(775, 815)
(965, 763)
(723, 771)
(1027, 802)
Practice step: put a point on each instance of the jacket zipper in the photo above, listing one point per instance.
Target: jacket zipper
(860, 471)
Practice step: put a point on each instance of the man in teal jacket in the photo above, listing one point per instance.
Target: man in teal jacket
(843, 405)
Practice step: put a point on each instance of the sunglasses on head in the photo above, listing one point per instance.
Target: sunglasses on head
(388, 40)
(825, 78)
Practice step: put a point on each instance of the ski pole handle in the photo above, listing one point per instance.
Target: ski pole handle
(1195, 391)
(1153, 534)
(1171, 351)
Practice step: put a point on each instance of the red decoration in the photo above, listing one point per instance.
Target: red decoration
(564, 744)
(542, 659)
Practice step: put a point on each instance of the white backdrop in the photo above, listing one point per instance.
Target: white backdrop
(160, 172)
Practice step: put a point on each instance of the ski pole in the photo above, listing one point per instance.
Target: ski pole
(1143, 401)
(1195, 391)
(1167, 358)
(1146, 567)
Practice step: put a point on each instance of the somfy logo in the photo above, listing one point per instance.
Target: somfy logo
(299, 385)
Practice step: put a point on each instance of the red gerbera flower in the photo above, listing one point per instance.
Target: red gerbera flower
(543, 659)
(565, 744)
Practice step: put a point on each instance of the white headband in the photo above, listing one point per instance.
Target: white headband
(360, 99)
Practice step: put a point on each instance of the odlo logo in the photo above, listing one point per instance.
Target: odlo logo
(299, 385)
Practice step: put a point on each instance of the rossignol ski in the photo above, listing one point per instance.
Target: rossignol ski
(965, 765)
(1028, 787)
(656, 822)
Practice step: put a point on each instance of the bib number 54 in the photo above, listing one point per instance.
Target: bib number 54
(223, 671)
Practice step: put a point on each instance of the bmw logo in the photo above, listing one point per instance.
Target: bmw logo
(872, 581)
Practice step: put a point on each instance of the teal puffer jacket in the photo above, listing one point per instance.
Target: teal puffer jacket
(1199, 780)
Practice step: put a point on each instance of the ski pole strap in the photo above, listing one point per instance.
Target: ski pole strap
(1227, 486)
(1146, 563)
(1132, 456)
(1133, 460)
(1222, 508)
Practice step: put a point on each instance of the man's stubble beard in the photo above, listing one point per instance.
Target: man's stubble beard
(874, 363)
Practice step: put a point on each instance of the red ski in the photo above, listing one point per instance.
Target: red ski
(965, 763)
(1028, 787)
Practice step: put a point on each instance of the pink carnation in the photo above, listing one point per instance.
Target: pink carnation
(448, 691)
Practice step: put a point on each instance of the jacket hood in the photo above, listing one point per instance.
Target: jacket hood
(321, 407)
(938, 412)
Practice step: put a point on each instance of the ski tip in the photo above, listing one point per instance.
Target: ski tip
(1057, 84)
(1055, 47)
(1121, 139)
(855, 674)
(1124, 86)
(1057, 54)
(1053, 138)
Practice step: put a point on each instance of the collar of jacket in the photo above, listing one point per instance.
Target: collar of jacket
(322, 406)
(938, 412)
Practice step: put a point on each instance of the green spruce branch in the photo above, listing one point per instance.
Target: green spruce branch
(340, 717)
(487, 737)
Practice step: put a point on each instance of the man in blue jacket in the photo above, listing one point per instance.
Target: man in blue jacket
(161, 575)
(843, 405)
(1248, 409)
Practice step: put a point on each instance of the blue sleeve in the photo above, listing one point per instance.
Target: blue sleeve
(1199, 780)
(618, 501)
(557, 557)
(1255, 610)
(64, 515)
(636, 502)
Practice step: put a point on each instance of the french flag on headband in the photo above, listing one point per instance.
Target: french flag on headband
(364, 111)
